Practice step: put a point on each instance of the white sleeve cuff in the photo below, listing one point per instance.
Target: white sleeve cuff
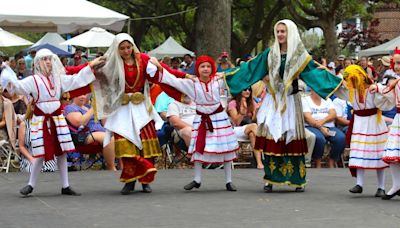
(151, 69)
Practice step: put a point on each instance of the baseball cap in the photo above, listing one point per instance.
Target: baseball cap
(341, 57)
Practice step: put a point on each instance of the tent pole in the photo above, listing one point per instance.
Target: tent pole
(129, 26)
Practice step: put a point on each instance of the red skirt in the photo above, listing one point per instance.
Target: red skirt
(138, 164)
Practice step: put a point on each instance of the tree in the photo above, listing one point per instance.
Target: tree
(247, 22)
(367, 37)
(213, 27)
(326, 14)
(253, 22)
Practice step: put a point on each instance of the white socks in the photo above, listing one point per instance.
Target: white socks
(227, 170)
(360, 177)
(395, 171)
(35, 170)
(197, 172)
(380, 174)
(63, 167)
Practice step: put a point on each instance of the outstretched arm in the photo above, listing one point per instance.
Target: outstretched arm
(247, 73)
(185, 86)
(9, 81)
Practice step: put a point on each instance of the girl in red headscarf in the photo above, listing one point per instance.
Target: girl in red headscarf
(213, 140)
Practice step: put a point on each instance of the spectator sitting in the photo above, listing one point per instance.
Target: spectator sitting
(347, 62)
(190, 64)
(155, 90)
(331, 68)
(340, 66)
(25, 148)
(223, 62)
(364, 64)
(79, 114)
(77, 59)
(12, 63)
(29, 59)
(319, 116)
(161, 105)
(175, 63)
(64, 61)
(242, 112)
(166, 60)
(383, 66)
(181, 116)
(8, 121)
(22, 70)
(343, 114)
(20, 104)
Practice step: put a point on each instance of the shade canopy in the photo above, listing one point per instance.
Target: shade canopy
(170, 48)
(95, 37)
(58, 16)
(8, 39)
(54, 39)
(52, 48)
(383, 49)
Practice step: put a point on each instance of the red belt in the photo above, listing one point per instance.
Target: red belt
(50, 140)
(205, 125)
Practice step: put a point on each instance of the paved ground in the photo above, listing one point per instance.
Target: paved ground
(326, 202)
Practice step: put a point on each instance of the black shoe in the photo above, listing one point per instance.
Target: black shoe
(380, 193)
(356, 189)
(268, 188)
(146, 188)
(69, 191)
(300, 189)
(128, 188)
(192, 185)
(26, 190)
(388, 197)
(231, 187)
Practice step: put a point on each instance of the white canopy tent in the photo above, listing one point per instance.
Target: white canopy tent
(169, 48)
(8, 39)
(57, 16)
(54, 39)
(95, 37)
(383, 49)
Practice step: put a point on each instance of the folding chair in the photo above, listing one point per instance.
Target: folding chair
(245, 152)
(173, 146)
(7, 156)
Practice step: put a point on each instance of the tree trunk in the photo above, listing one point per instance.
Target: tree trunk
(331, 42)
(213, 27)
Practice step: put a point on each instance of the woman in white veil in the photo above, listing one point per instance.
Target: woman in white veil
(122, 95)
(280, 134)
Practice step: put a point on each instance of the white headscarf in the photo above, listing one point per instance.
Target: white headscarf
(297, 59)
(110, 84)
(57, 68)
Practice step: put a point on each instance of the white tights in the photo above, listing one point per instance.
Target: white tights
(62, 166)
(380, 173)
(395, 171)
(227, 170)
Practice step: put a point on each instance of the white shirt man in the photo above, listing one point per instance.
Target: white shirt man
(181, 116)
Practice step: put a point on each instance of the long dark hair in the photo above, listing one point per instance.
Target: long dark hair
(249, 101)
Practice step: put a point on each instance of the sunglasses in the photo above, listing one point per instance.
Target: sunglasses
(249, 89)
